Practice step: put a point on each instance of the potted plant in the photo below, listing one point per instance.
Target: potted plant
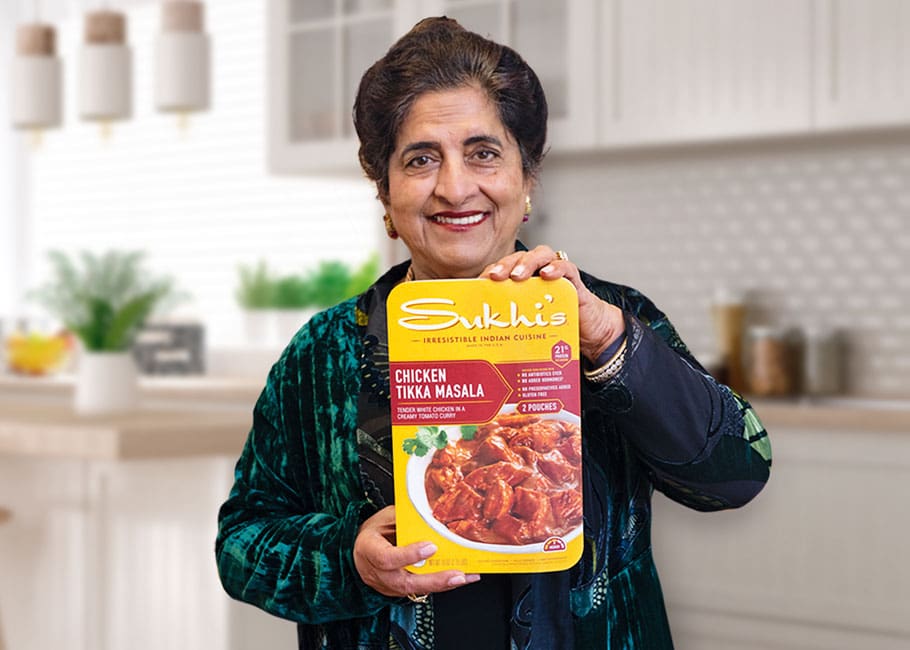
(298, 297)
(294, 301)
(363, 276)
(256, 287)
(329, 282)
(279, 305)
(104, 300)
(334, 281)
(255, 294)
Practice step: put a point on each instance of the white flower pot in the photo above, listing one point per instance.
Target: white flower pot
(106, 382)
(288, 321)
(259, 326)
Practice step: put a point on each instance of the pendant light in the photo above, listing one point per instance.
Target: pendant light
(183, 59)
(37, 77)
(105, 83)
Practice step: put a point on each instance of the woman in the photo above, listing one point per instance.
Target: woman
(452, 130)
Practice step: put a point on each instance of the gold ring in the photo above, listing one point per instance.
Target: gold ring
(561, 255)
(414, 598)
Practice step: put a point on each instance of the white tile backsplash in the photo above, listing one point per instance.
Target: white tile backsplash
(815, 231)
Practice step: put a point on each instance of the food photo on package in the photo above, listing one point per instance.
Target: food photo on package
(486, 431)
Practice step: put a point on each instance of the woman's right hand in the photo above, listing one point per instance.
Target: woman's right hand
(381, 564)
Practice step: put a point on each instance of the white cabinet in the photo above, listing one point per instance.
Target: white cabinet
(676, 70)
(816, 562)
(111, 540)
(318, 49)
(109, 555)
(863, 62)
(558, 40)
(691, 70)
(617, 72)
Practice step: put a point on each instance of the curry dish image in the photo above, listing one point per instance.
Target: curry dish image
(518, 481)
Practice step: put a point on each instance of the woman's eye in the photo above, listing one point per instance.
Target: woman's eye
(485, 155)
(419, 161)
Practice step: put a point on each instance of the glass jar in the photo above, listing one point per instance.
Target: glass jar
(771, 361)
(822, 371)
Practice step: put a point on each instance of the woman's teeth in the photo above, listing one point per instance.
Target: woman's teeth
(468, 220)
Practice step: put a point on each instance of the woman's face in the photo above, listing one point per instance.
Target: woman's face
(456, 187)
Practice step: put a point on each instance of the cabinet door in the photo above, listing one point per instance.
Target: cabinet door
(557, 39)
(318, 49)
(677, 70)
(863, 62)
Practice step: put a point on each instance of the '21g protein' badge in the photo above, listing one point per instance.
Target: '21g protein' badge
(486, 431)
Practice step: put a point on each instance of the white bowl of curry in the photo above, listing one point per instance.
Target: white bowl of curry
(515, 485)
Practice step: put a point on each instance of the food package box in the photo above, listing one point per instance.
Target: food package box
(486, 431)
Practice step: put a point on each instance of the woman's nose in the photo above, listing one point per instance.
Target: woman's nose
(454, 183)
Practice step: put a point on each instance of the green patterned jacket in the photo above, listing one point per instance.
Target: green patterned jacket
(287, 530)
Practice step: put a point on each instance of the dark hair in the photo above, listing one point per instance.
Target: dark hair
(439, 54)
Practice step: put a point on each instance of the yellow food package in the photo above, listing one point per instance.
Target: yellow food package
(486, 431)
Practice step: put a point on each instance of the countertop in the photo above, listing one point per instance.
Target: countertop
(855, 414)
(176, 417)
(239, 392)
(206, 416)
(54, 430)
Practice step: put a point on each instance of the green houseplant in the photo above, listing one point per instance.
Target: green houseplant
(334, 281)
(293, 300)
(275, 306)
(104, 299)
(363, 276)
(256, 289)
(329, 282)
(255, 293)
(292, 292)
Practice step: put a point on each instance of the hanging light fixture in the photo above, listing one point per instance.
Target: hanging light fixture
(182, 55)
(105, 83)
(37, 77)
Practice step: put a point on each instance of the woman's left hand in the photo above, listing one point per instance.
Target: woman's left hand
(599, 322)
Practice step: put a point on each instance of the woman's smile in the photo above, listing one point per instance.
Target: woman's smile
(467, 218)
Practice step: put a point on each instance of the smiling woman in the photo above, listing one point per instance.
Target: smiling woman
(452, 128)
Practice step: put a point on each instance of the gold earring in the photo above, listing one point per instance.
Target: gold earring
(389, 227)
(527, 208)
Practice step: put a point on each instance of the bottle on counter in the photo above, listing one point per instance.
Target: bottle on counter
(728, 313)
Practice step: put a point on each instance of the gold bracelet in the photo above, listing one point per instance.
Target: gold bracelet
(610, 369)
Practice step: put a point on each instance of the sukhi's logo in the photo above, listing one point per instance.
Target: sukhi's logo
(554, 545)
(425, 316)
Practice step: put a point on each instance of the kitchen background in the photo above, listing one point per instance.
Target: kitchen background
(813, 232)
(699, 148)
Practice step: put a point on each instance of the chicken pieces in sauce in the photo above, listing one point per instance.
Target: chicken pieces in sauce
(518, 481)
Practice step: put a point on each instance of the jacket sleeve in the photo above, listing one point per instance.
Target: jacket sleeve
(287, 531)
(703, 444)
